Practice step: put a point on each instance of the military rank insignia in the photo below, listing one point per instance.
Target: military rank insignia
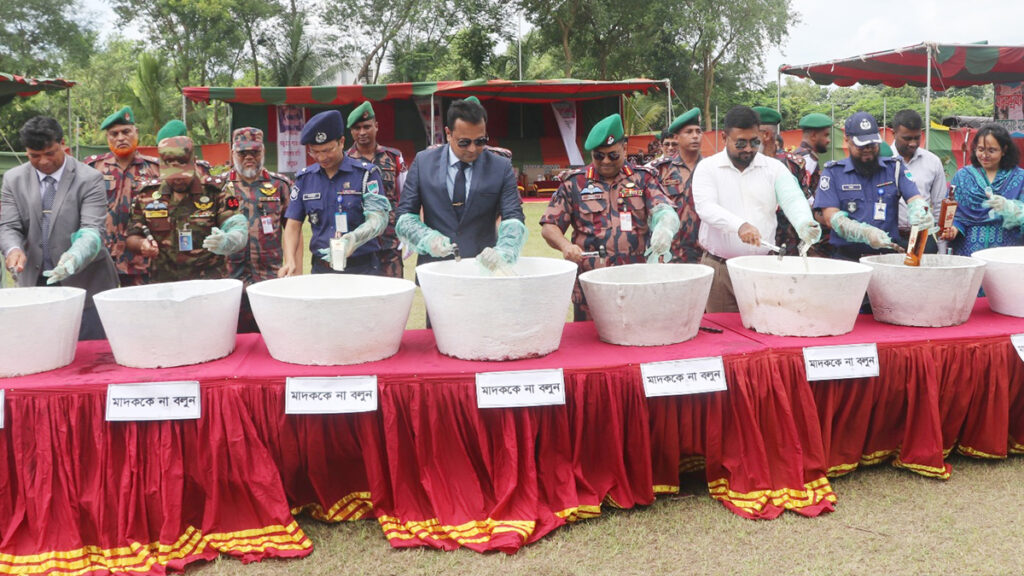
(267, 189)
(204, 203)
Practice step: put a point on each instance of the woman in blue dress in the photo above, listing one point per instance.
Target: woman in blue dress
(990, 194)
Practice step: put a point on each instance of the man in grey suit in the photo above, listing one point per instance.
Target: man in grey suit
(462, 190)
(52, 212)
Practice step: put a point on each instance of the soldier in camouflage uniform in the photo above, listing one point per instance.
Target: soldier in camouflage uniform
(675, 172)
(816, 138)
(362, 122)
(175, 219)
(177, 128)
(124, 170)
(618, 212)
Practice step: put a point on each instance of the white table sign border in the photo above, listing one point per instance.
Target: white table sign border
(347, 384)
(1018, 344)
(816, 374)
(186, 388)
(532, 378)
(649, 370)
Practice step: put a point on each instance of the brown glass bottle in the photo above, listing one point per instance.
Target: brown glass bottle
(915, 248)
(948, 211)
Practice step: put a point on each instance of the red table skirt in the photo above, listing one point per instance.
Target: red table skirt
(81, 495)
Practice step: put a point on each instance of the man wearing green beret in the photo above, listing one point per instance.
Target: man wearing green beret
(675, 173)
(124, 170)
(618, 212)
(785, 234)
(817, 135)
(362, 123)
(177, 128)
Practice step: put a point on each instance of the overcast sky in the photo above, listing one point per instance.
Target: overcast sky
(828, 31)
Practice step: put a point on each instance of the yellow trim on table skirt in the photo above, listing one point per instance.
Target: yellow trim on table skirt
(142, 557)
(930, 471)
(1016, 447)
(579, 513)
(691, 464)
(877, 457)
(813, 493)
(472, 532)
(968, 451)
(354, 506)
(666, 489)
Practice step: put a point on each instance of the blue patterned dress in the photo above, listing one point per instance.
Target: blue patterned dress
(979, 229)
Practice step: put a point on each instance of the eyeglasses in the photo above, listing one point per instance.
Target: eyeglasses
(465, 142)
(742, 144)
(668, 144)
(600, 156)
(248, 153)
(988, 151)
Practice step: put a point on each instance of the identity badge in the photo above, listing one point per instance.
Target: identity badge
(879, 210)
(184, 239)
(341, 222)
(267, 224)
(626, 221)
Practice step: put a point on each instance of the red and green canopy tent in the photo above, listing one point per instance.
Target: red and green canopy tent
(937, 66)
(12, 86)
(518, 115)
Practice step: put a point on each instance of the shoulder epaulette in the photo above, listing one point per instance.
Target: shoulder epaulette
(91, 159)
(214, 181)
(647, 169)
(279, 176)
(831, 163)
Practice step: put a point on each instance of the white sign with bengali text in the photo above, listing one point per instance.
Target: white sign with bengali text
(681, 377)
(336, 395)
(841, 362)
(1018, 344)
(520, 388)
(153, 401)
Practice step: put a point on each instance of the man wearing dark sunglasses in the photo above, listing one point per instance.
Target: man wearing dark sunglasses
(462, 190)
(618, 212)
(675, 172)
(736, 193)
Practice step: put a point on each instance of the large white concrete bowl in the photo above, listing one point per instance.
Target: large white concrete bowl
(647, 304)
(939, 292)
(38, 328)
(478, 317)
(1004, 279)
(332, 319)
(796, 296)
(171, 324)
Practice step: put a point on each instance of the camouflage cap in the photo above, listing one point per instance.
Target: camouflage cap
(605, 133)
(362, 112)
(768, 115)
(122, 116)
(691, 116)
(247, 138)
(176, 147)
(171, 129)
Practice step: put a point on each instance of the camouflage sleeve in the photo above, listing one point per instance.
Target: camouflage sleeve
(654, 194)
(560, 208)
(138, 218)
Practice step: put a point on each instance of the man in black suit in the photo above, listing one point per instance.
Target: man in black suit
(53, 212)
(462, 190)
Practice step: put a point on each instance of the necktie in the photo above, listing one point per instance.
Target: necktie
(49, 192)
(459, 190)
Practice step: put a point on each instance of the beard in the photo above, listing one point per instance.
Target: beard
(821, 148)
(125, 152)
(247, 173)
(866, 169)
(742, 159)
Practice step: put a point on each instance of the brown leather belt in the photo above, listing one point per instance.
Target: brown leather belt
(713, 257)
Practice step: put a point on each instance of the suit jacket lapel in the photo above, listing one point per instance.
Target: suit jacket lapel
(63, 188)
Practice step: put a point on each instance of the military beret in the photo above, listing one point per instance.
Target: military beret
(122, 116)
(815, 121)
(362, 112)
(884, 150)
(768, 115)
(691, 116)
(605, 133)
(172, 129)
(474, 100)
(323, 127)
(247, 138)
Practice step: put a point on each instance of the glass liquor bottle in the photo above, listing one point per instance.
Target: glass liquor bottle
(915, 247)
(948, 211)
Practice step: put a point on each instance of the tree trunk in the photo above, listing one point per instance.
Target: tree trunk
(709, 85)
(565, 49)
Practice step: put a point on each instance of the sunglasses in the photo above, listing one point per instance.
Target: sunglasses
(465, 142)
(600, 156)
(742, 144)
(248, 153)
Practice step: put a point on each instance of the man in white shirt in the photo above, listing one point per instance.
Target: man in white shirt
(926, 167)
(736, 193)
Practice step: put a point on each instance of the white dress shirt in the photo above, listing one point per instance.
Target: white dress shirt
(726, 198)
(928, 174)
(56, 177)
(453, 171)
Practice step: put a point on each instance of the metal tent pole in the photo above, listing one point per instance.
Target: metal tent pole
(778, 92)
(432, 128)
(928, 100)
(668, 97)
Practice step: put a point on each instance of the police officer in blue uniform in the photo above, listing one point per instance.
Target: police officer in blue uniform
(858, 197)
(341, 196)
